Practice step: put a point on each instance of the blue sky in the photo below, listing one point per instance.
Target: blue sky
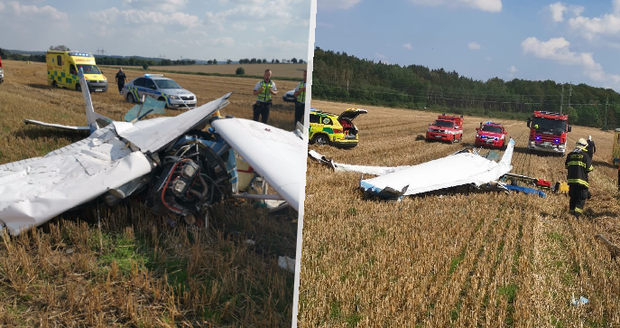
(577, 41)
(208, 29)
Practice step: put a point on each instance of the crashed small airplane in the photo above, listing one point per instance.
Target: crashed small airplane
(459, 169)
(183, 168)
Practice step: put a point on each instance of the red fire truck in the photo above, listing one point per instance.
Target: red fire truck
(446, 128)
(548, 132)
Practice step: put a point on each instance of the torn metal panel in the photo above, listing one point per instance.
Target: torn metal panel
(52, 185)
(152, 137)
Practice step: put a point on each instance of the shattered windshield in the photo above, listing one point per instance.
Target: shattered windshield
(491, 128)
(547, 125)
(167, 84)
(445, 124)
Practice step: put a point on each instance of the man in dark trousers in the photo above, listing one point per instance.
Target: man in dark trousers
(300, 100)
(579, 164)
(263, 91)
(121, 79)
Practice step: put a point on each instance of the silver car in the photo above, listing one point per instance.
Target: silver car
(288, 97)
(161, 88)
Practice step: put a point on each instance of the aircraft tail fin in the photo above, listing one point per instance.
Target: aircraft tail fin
(507, 158)
(95, 121)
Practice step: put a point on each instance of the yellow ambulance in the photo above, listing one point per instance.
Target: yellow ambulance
(62, 68)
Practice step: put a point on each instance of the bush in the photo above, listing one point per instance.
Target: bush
(240, 71)
(145, 66)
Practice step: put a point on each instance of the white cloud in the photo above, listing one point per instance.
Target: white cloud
(381, 56)
(331, 5)
(139, 17)
(282, 13)
(157, 5)
(489, 58)
(260, 29)
(512, 69)
(557, 11)
(407, 46)
(31, 12)
(484, 5)
(224, 41)
(240, 26)
(557, 49)
(473, 46)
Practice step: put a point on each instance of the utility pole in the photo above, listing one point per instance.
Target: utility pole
(562, 99)
(570, 92)
(606, 103)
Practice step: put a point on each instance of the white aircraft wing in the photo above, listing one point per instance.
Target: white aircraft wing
(277, 155)
(458, 169)
(450, 171)
(36, 190)
(365, 169)
(151, 137)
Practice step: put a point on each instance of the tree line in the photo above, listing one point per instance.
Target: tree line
(340, 77)
(273, 61)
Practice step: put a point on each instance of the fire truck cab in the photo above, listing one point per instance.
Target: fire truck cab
(548, 132)
(446, 128)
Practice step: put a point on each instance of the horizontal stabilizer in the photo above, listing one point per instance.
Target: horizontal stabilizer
(58, 126)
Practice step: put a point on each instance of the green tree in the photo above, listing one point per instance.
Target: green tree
(145, 66)
(240, 71)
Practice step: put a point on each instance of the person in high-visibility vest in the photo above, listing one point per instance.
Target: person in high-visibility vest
(264, 89)
(579, 165)
(300, 99)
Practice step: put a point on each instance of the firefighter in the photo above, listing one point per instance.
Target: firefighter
(579, 164)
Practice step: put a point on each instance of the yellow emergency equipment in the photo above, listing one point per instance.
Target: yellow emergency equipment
(63, 67)
(615, 156)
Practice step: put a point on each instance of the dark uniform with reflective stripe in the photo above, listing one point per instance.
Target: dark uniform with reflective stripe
(578, 164)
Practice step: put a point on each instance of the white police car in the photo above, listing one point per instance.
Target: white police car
(289, 96)
(161, 88)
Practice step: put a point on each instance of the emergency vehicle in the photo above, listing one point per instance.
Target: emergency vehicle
(336, 130)
(161, 88)
(63, 67)
(491, 134)
(446, 128)
(548, 132)
(1, 72)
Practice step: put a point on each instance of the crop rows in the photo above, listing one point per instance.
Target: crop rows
(457, 260)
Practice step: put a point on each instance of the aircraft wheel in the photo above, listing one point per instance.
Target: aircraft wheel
(321, 140)
(78, 87)
(130, 98)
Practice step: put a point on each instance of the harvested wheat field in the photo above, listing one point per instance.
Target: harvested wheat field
(278, 70)
(476, 260)
(139, 271)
